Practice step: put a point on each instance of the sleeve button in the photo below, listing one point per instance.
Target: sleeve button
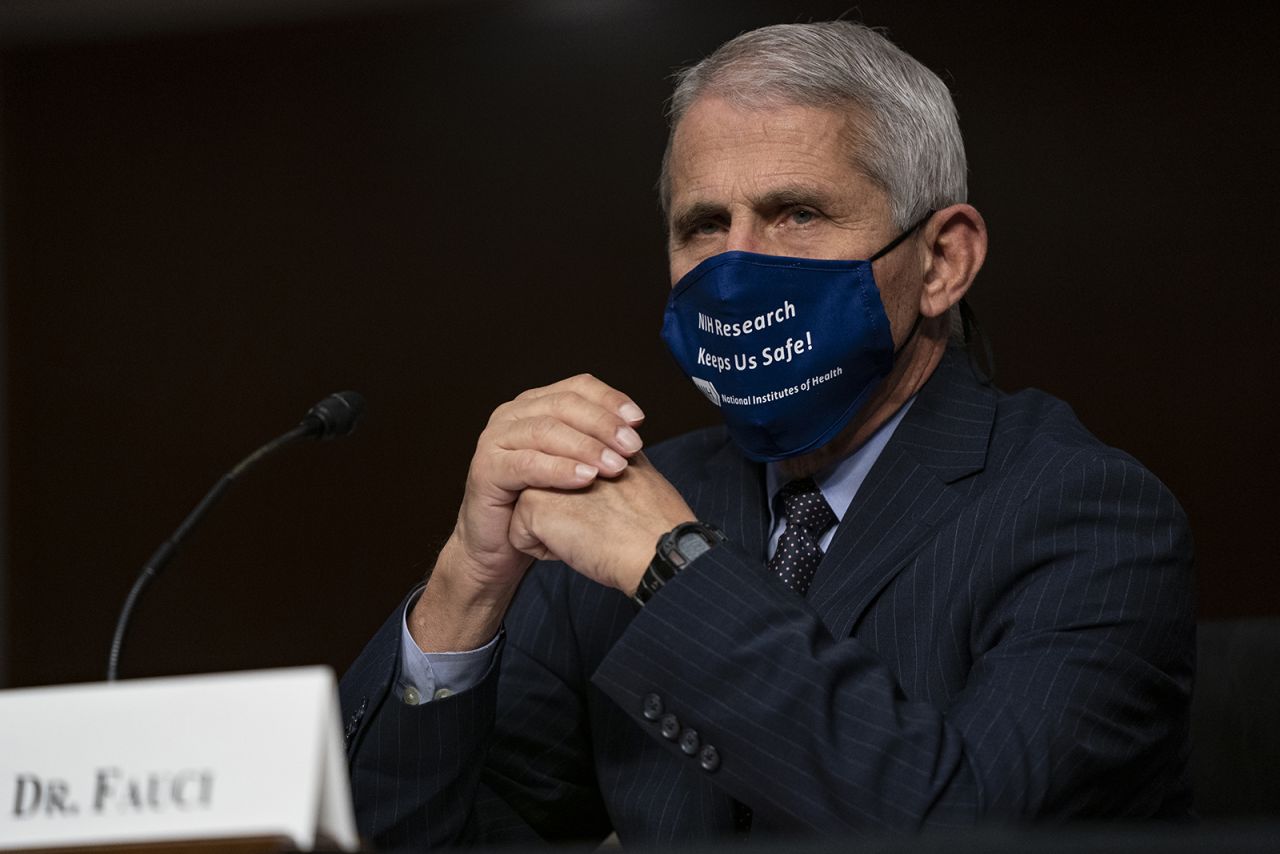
(670, 727)
(652, 707)
(689, 742)
(709, 758)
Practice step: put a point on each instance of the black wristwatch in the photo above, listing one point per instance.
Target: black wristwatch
(677, 548)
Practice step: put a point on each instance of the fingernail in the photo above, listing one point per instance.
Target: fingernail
(611, 461)
(631, 412)
(585, 472)
(628, 439)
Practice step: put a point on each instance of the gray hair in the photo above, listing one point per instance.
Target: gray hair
(909, 140)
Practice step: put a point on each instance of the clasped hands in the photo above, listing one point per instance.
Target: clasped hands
(557, 474)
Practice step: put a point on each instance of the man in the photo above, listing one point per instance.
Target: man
(885, 594)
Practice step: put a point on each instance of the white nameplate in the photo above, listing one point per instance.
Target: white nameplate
(192, 757)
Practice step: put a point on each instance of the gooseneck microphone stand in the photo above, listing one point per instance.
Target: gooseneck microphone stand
(334, 416)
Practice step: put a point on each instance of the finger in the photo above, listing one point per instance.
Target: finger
(523, 540)
(595, 390)
(514, 471)
(584, 415)
(553, 436)
(521, 537)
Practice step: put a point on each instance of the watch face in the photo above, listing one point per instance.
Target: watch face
(691, 544)
(676, 549)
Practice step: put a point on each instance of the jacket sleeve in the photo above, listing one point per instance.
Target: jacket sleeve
(507, 760)
(1073, 606)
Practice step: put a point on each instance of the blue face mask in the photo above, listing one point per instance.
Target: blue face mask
(789, 348)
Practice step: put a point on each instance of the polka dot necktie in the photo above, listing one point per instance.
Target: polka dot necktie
(808, 517)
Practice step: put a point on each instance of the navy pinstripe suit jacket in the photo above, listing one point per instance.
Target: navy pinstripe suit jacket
(1002, 627)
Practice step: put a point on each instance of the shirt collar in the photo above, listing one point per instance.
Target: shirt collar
(839, 482)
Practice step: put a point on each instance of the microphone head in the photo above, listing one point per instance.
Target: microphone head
(336, 415)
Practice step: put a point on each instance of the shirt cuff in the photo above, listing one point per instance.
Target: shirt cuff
(427, 676)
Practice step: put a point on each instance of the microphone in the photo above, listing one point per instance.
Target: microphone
(336, 415)
(332, 417)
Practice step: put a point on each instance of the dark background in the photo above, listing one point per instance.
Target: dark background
(213, 215)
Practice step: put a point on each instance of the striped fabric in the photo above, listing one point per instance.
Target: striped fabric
(1002, 628)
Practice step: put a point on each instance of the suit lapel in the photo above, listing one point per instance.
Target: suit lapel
(731, 496)
(907, 493)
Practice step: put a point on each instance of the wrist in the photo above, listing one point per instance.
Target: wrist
(456, 612)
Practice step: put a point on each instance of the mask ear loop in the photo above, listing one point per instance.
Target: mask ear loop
(972, 330)
(889, 247)
(912, 334)
(893, 244)
(973, 333)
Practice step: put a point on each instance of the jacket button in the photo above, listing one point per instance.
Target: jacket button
(709, 758)
(689, 742)
(652, 707)
(670, 727)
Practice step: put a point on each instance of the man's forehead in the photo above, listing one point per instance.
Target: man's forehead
(718, 122)
(721, 150)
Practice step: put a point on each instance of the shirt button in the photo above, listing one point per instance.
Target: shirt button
(441, 693)
(670, 727)
(652, 707)
(689, 742)
(709, 758)
(411, 696)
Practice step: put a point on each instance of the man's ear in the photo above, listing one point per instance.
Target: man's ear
(955, 242)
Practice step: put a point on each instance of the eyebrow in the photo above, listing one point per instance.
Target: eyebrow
(782, 197)
(797, 195)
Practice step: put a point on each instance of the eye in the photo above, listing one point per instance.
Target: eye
(702, 228)
(801, 216)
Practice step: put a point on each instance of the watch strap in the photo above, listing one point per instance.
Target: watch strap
(676, 549)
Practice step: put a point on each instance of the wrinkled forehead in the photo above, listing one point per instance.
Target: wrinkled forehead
(722, 147)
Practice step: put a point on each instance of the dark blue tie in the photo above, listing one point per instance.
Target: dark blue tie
(808, 517)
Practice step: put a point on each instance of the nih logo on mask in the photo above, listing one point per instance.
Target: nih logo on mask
(708, 389)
